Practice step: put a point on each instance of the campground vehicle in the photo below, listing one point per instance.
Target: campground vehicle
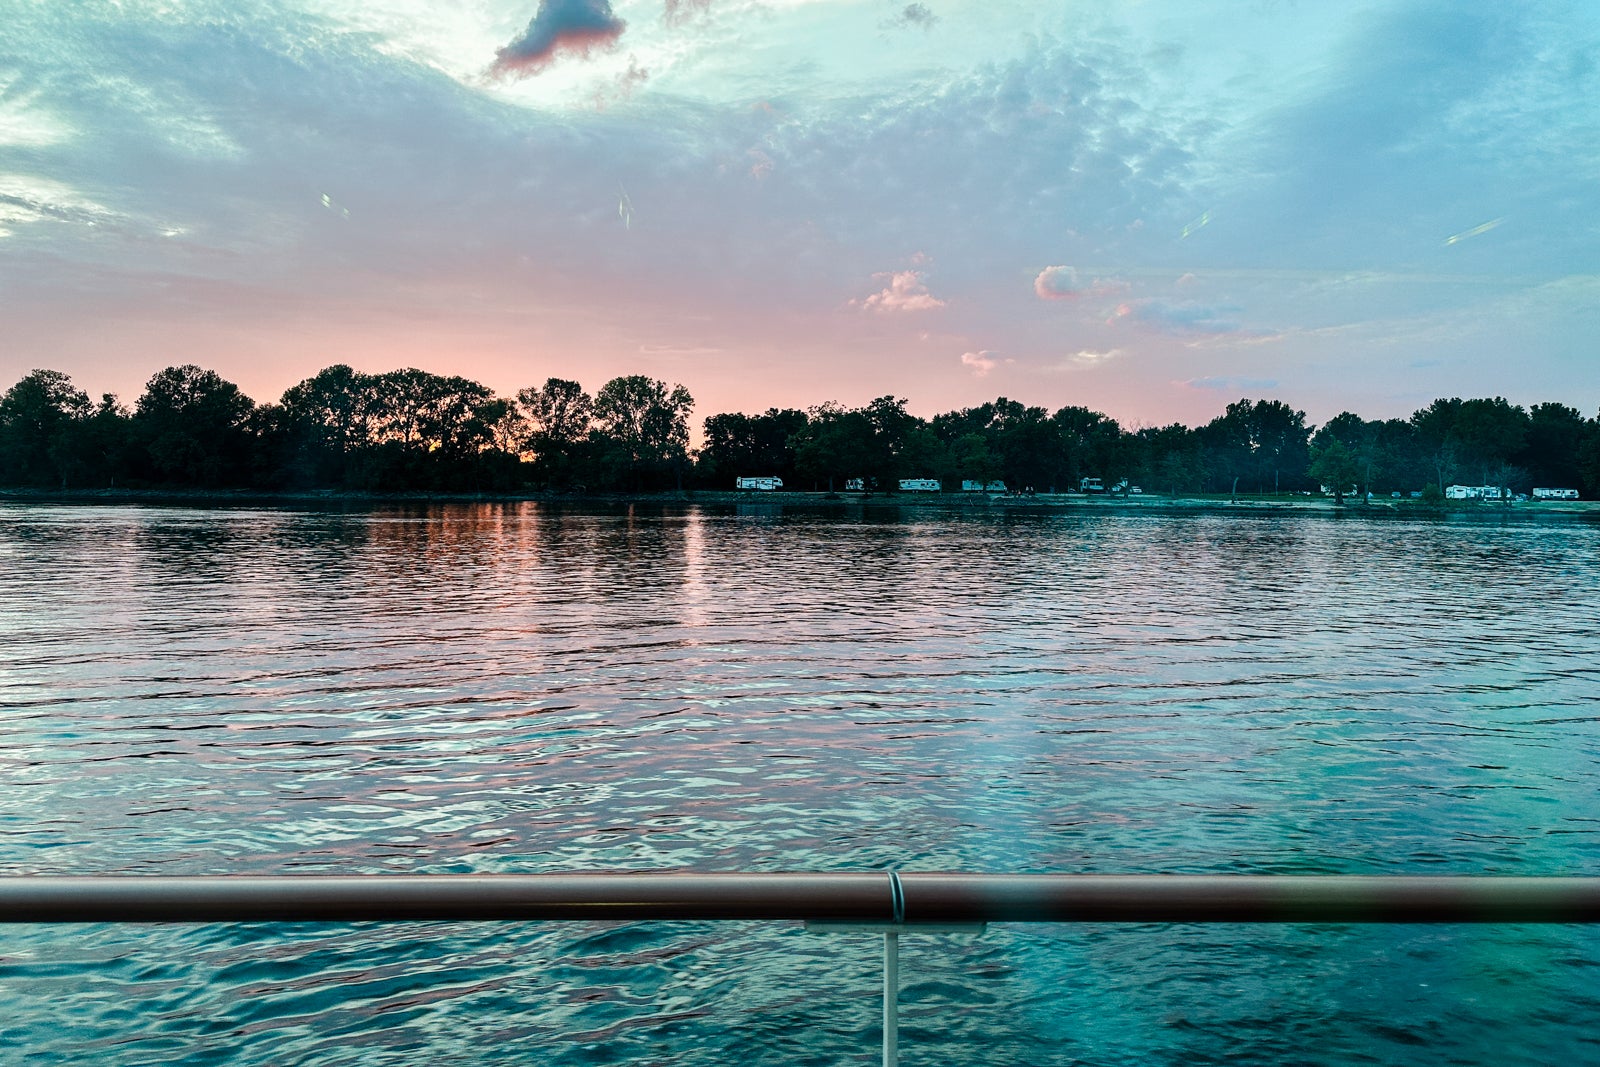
(762, 482)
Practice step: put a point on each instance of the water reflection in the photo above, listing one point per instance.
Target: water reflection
(523, 688)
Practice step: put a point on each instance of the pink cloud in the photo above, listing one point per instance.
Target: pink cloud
(1057, 283)
(1063, 283)
(578, 27)
(906, 292)
(980, 362)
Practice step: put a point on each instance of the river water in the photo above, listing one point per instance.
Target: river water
(520, 688)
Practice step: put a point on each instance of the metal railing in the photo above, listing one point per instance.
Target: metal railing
(889, 903)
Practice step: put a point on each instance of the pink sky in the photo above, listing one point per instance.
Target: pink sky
(1138, 208)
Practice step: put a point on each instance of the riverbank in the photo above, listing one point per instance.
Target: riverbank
(1052, 502)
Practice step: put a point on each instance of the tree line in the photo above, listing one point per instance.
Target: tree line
(410, 430)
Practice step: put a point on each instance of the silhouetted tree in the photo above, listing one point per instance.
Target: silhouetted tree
(558, 415)
(834, 446)
(647, 424)
(192, 426)
(41, 422)
(738, 444)
(1554, 440)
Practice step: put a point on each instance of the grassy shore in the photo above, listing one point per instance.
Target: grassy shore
(1243, 503)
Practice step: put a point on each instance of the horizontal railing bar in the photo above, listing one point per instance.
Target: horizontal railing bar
(384, 898)
(1249, 898)
(864, 897)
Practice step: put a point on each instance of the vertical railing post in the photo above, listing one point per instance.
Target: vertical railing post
(891, 998)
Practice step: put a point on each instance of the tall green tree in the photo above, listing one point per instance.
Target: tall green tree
(1030, 447)
(1588, 459)
(737, 444)
(834, 446)
(559, 415)
(1260, 443)
(1333, 464)
(1475, 438)
(191, 423)
(41, 422)
(327, 418)
(1091, 445)
(1171, 458)
(1550, 451)
(647, 424)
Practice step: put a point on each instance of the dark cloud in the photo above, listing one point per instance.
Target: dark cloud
(917, 15)
(576, 26)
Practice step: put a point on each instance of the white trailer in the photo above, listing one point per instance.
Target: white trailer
(762, 482)
(970, 485)
(855, 485)
(1555, 494)
(920, 485)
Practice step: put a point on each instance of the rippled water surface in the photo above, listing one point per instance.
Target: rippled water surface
(520, 689)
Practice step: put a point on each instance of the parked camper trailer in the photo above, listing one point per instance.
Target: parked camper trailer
(1091, 485)
(919, 485)
(969, 485)
(763, 482)
(1476, 492)
(1555, 494)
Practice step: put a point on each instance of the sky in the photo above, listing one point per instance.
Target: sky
(1148, 208)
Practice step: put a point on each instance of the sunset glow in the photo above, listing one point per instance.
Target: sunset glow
(1143, 209)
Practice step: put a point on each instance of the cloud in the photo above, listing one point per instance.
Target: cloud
(906, 292)
(680, 11)
(1088, 356)
(1062, 283)
(1182, 320)
(576, 26)
(673, 351)
(981, 362)
(623, 85)
(917, 16)
(1228, 384)
(1057, 283)
(1084, 358)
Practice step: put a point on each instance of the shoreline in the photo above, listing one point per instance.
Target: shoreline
(1041, 502)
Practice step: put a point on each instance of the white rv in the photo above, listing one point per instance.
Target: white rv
(855, 485)
(764, 482)
(1555, 494)
(1476, 492)
(969, 485)
(1091, 485)
(919, 485)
